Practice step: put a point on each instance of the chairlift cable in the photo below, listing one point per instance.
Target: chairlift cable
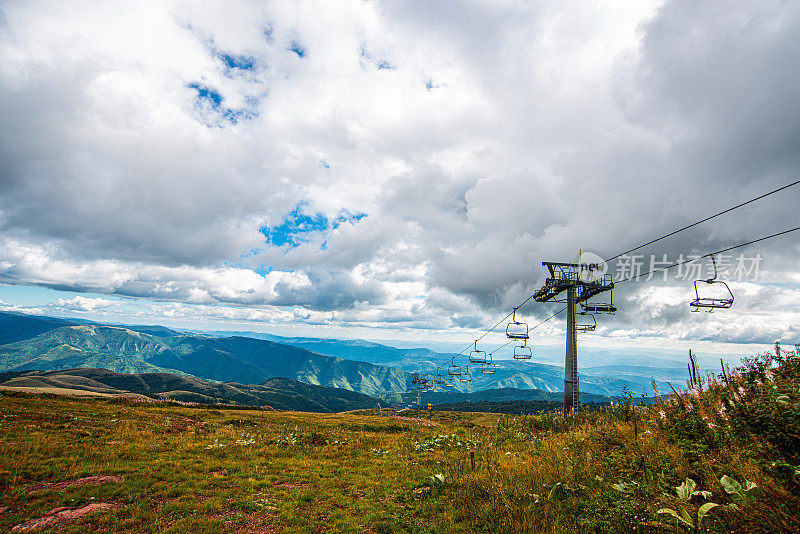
(503, 320)
(678, 263)
(531, 329)
(704, 220)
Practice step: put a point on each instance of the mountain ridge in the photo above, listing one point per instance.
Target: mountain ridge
(277, 392)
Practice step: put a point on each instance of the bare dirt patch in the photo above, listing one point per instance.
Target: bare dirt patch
(99, 479)
(181, 424)
(61, 515)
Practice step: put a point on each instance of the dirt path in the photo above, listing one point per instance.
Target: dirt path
(61, 515)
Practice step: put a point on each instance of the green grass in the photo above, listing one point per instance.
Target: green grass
(192, 469)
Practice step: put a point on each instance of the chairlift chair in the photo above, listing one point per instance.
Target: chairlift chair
(587, 326)
(477, 356)
(523, 352)
(711, 303)
(453, 369)
(438, 378)
(516, 329)
(465, 376)
(489, 369)
(599, 307)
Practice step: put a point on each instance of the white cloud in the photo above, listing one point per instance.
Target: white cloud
(497, 135)
(84, 304)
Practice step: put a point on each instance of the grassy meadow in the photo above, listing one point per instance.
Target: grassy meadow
(727, 449)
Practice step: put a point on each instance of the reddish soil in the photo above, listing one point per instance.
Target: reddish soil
(61, 515)
(100, 479)
(180, 424)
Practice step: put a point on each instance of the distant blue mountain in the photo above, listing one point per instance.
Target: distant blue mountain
(601, 374)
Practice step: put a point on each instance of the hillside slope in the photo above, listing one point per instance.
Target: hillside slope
(56, 345)
(278, 393)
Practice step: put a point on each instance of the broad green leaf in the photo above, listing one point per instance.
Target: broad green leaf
(670, 511)
(701, 513)
(686, 489)
(704, 494)
(674, 514)
(749, 485)
(731, 486)
(686, 517)
(553, 491)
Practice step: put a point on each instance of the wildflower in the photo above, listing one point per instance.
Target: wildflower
(662, 414)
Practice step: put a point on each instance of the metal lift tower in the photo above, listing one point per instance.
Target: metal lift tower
(421, 382)
(577, 281)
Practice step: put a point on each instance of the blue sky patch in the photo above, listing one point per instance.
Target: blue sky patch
(207, 96)
(366, 60)
(297, 49)
(346, 216)
(298, 226)
(233, 62)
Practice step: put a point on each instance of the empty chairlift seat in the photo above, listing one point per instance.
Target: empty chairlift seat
(477, 356)
(516, 329)
(717, 293)
(523, 352)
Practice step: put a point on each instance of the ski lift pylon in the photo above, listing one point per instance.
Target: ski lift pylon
(711, 303)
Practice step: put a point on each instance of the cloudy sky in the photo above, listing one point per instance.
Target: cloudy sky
(394, 169)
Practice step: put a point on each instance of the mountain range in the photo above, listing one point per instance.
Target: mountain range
(277, 393)
(43, 343)
(48, 344)
(603, 372)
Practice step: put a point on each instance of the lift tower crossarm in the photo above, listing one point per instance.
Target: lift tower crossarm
(590, 289)
(562, 277)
